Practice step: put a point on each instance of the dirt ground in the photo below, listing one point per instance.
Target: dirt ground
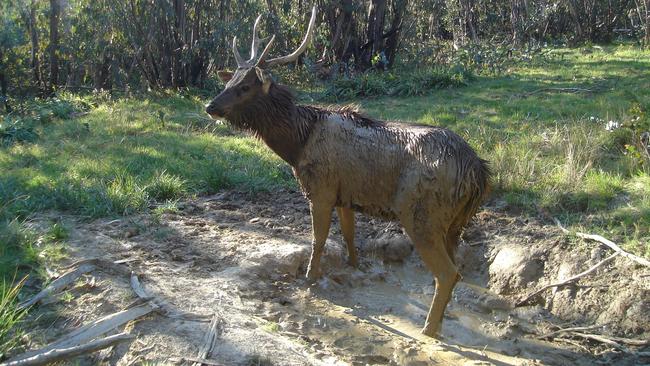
(243, 259)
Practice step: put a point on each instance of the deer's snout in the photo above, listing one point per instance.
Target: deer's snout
(214, 110)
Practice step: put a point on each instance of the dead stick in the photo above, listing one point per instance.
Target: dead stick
(161, 306)
(197, 360)
(568, 280)
(566, 90)
(209, 340)
(632, 342)
(572, 329)
(66, 353)
(607, 242)
(92, 330)
(602, 339)
(59, 284)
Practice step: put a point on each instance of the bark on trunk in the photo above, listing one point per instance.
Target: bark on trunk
(376, 17)
(393, 35)
(55, 11)
(573, 11)
(35, 49)
(3, 88)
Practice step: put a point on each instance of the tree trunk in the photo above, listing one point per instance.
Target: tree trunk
(55, 11)
(341, 22)
(3, 87)
(646, 4)
(573, 11)
(518, 19)
(179, 74)
(35, 51)
(393, 35)
(376, 16)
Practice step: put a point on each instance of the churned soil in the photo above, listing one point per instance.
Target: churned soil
(242, 259)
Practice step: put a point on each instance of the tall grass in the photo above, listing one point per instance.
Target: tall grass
(10, 316)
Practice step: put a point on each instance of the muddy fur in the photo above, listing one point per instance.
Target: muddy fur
(426, 177)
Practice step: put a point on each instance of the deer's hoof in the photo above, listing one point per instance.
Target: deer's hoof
(313, 275)
(353, 262)
(431, 330)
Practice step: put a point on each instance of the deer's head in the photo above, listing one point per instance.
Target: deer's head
(252, 79)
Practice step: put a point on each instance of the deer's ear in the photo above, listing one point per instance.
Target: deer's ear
(265, 77)
(224, 75)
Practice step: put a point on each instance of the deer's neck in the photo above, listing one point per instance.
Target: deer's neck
(279, 122)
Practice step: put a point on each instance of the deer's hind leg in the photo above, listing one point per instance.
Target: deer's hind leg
(346, 218)
(431, 245)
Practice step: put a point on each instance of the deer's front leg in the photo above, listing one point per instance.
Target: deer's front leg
(321, 217)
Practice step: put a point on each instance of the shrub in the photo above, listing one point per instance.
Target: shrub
(16, 131)
(373, 83)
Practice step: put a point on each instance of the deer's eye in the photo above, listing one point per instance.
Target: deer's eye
(245, 88)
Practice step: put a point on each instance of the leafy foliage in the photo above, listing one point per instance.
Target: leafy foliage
(374, 84)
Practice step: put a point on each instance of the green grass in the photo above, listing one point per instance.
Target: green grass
(548, 149)
(10, 316)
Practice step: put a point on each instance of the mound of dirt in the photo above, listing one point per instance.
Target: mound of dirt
(242, 259)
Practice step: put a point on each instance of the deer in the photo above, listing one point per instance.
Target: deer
(427, 178)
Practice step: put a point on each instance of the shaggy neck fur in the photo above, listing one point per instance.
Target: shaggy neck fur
(278, 121)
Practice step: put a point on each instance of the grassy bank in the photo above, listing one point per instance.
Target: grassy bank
(542, 126)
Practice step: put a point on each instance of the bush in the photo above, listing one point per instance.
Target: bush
(373, 83)
(15, 131)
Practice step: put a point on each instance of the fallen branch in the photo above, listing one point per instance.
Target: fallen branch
(58, 354)
(568, 280)
(602, 339)
(91, 331)
(59, 284)
(208, 341)
(561, 90)
(201, 361)
(611, 341)
(607, 242)
(162, 306)
(572, 329)
(632, 342)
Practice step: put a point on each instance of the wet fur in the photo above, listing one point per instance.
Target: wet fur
(426, 177)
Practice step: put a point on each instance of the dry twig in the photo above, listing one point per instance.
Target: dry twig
(57, 354)
(560, 90)
(607, 242)
(162, 306)
(59, 284)
(572, 329)
(568, 280)
(200, 361)
(91, 331)
(209, 340)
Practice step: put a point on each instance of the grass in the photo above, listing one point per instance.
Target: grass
(548, 148)
(10, 316)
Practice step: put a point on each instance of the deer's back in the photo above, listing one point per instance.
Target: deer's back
(374, 167)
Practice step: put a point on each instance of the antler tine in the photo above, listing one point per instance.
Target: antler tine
(303, 46)
(255, 44)
(240, 61)
(265, 52)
